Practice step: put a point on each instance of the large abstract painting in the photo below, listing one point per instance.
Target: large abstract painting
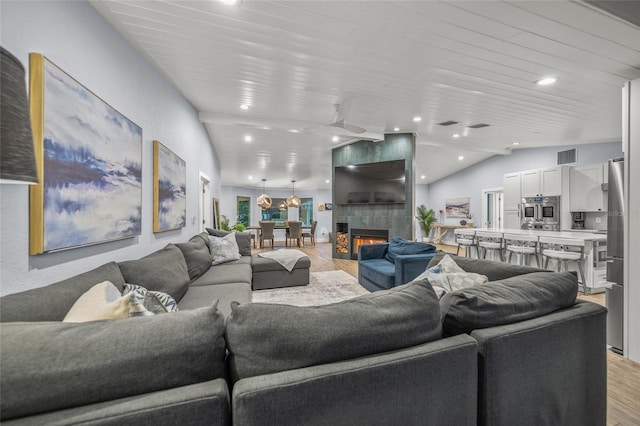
(89, 162)
(457, 207)
(169, 189)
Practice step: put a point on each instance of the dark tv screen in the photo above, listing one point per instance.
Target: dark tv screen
(371, 183)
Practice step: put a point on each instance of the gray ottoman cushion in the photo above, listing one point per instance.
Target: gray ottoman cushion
(51, 303)
(267, 273)
(50, 366)
(266, 338)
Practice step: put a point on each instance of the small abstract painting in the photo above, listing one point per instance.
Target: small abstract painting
(89, 163)
(457, 207)
(169, 189)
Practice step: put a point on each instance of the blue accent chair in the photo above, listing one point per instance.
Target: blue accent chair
(387, 265)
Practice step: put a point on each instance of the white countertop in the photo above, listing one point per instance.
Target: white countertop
(578, 235)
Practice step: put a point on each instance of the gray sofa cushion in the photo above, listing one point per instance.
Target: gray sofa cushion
(267, 338)
(52, 302)
(507, 301)
(224, 294)
(493, 270)
(242, 238)
(196, 254)
(164, 270)
(230, 272)
(49, 366)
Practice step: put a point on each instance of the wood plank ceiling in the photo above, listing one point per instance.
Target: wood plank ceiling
(467, 61)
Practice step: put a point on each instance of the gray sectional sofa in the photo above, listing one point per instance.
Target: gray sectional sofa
(531, 355)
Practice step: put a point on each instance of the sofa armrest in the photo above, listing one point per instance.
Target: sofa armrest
(205, 403)
(409, 266)
(547, 370)
(372, 251)
(411, 386)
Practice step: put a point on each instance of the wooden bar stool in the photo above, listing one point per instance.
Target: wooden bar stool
(521, 246)
(465, 238)
(562, 250)
(488, 240)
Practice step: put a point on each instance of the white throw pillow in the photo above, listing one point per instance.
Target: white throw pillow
(223, 249)
(102, 301)
(447, 276)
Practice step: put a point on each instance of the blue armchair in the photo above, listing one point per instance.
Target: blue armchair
(387, 265)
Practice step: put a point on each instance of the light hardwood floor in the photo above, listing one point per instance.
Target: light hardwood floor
(623, 375)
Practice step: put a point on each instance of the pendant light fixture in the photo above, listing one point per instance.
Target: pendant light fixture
(264, 201)
(282, 206)
(294, 200)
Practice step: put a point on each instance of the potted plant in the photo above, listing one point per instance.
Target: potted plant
(224, 225)
(426, 218)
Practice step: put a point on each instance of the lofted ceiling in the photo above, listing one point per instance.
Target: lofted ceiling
(471, 62)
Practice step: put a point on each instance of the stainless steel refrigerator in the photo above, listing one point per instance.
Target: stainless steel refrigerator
(615, 253)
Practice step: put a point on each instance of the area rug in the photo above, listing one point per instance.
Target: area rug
(324, 288)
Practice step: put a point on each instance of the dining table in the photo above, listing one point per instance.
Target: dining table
(257, 228)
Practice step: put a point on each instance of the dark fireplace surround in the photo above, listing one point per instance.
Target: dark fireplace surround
(357, 224)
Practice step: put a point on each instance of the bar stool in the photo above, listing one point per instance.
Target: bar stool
(563, 250)
(465, 238)
(488, 240)
(521, 246)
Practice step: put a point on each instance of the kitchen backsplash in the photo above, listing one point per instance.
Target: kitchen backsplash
(590, 220)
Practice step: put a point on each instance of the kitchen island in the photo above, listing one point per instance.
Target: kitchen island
(595, 270)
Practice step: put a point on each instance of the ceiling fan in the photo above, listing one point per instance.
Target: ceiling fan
(343, 109)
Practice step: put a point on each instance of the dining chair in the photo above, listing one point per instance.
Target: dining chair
(311, 233)
(294, 232)
(266, 232)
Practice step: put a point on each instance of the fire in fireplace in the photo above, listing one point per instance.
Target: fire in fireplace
(367, 236)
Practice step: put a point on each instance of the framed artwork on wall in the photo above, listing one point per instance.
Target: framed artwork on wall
(457, 207)
(89, 159)
(169, 189)
(328, 206)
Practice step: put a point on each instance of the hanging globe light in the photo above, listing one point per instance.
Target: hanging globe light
(264, 201)
(294, 200)
(282, 206)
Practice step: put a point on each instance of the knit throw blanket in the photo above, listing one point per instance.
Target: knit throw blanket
(286, 257)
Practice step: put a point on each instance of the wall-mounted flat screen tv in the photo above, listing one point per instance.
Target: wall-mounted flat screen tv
(371, 183)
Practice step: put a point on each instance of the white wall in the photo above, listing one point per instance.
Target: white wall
(76, 38)
(229, 209)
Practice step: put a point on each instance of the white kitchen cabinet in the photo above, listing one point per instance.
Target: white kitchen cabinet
(586, 194)
(530, 183)
(511, 191)
(511, 219)
(542, 182)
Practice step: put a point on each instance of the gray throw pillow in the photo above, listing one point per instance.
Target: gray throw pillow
(53, 365)
(267, 338)
(242, 238)
(507, 301)
(164, 270)
(492, 270)
(52, 302)
(196, 254)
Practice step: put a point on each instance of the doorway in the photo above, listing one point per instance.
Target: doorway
(492, 208)
(205, 203)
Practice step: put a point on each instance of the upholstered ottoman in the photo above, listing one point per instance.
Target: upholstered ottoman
(268, 273)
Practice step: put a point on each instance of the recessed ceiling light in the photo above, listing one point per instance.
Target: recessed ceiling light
(294, 131)
(335, 139)
(461, 157)
(455, 135)
(248, 138)
(396, 129)
(422, 177)
(327, 181)
(250, 177)
(515, 143)
(546, 81)
(244, 107)
(417, 118)
(228, 2)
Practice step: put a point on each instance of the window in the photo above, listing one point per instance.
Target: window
(306, 211)
(279, 212)
(244, 210)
